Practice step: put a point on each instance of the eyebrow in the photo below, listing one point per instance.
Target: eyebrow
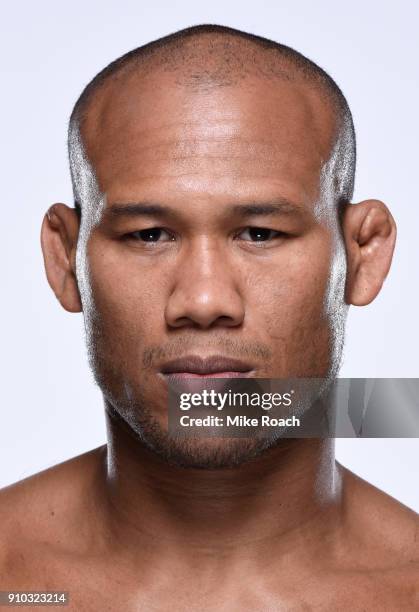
(278, 207)
(137, 209)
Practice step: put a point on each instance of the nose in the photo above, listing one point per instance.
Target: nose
(205, 292)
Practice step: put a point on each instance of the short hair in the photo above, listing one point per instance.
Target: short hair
(236, 54)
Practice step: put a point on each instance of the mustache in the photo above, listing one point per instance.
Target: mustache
(186, 345)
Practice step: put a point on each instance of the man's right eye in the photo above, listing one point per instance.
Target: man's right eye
(152, 234)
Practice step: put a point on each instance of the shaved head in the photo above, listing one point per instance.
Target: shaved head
(191, 137)
(213, 172)
(206, 58)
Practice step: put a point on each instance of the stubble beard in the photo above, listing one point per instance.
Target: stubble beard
(137, 415)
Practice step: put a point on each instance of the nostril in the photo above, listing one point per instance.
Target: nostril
(229, 321)
(204, 304)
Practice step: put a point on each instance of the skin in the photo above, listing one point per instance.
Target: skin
(120, 527)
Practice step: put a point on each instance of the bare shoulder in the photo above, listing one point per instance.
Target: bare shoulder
(374, 559)
(42, 510)
(50, 489)
(382, 529)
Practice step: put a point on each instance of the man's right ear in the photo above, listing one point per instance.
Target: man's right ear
(59, 234)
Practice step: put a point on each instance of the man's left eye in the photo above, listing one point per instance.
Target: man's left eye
(153, 234)
(259, 234)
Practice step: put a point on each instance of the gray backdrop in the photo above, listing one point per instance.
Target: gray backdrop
(50, 410)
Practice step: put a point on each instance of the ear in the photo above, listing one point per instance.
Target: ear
(370, 236)
(59, 234)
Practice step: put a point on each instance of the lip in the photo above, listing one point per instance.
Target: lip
(214, 366)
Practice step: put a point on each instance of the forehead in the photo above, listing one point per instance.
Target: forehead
(154, 137)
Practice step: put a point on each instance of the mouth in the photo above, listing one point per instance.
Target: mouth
(216, 366)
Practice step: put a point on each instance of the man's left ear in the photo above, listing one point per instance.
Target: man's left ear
(370, 236)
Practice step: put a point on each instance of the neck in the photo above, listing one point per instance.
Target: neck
(273, 498)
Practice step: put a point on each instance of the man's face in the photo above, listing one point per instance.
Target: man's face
(232, 251)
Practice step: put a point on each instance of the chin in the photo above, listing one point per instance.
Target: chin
(206, 453)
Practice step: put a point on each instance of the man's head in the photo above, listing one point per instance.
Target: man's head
(212, 172)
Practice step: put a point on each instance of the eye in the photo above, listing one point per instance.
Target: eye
(259, 234)
(151, 234)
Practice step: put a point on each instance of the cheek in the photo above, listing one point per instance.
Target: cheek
(289, 306)
(295, 284)
(127, 302)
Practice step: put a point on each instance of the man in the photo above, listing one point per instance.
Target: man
(212, 236)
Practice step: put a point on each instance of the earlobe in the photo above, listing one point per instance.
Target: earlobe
(59, 235)
(370, 235)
